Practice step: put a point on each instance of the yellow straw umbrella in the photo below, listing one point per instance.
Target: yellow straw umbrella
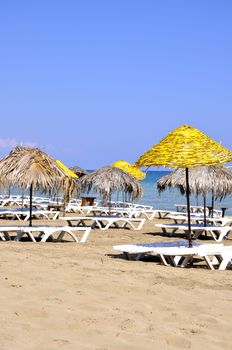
(130, 168)
(66, 169)
(185, 147)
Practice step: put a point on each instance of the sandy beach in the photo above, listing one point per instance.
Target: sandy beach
(87, 296)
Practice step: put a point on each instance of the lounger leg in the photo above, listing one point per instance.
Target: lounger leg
(186, 260)
(20, 234)
(226, 260)
(223, 235)
(208, 262)
(2, 236)
(163, 260)
(60, 236)
(85, 235)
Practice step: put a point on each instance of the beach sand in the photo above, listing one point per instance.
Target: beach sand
(87, 296)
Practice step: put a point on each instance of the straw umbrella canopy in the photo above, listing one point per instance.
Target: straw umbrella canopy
(79, 171)
(31, 168)
(202, 179)
(130, 168)
(109, 179)
(185, 147)
(215, 179)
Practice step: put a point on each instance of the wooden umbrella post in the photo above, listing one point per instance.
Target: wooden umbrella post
(204, 197)
(31, 191)
(212, 203)
(110, 203)
(188, 207)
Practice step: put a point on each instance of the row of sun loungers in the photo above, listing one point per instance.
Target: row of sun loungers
(14, 214)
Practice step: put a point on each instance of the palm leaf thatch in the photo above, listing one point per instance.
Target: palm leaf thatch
(31, 168)
(67, 170)
(25, 166)
(79, 171)
(109, 179)
(130, 168)
(202, 180)
(185, 147)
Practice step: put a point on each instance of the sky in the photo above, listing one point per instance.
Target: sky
(91, 82)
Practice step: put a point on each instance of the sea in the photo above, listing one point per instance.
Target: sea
(165, 200)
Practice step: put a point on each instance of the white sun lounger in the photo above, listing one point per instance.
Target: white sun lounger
(212, 254)
(25, 214)
(136, 251)
(124, 212)
(217, 232)
(178, 254)
(105, 222)
(164, 214)
(222, 221)
(197, 209)
(44, 232)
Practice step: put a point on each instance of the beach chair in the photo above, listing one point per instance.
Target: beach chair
(136, 251)
(105, 222)
(124, 212)
(212, 254)
(178, 254)
(44, 232)
(217, 232)
(198, 219)
(25, 214)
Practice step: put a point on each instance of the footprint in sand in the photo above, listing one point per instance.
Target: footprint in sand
(60, 342)
(127, 324)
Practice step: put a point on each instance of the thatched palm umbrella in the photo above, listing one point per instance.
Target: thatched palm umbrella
(109, 179)
(31, 168)
(215, 179)
(130, 168)
(185, 147)
(79, 171)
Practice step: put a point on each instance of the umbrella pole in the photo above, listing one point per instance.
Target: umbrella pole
(110, 203)
(204, 209)
(22, 198)
(212, 202)
(31, 191)
(188, 207)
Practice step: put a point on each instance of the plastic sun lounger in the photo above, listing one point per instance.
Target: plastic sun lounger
(45, 232)
(136, 251)
(217, 232)
(164, 214)
(178, 254)
(197, 209)
(223, 257)
(222, 221)
(124, 212)
(105, 222)
(25, 214)
(212, 254)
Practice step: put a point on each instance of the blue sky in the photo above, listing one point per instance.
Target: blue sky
(92, 82)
